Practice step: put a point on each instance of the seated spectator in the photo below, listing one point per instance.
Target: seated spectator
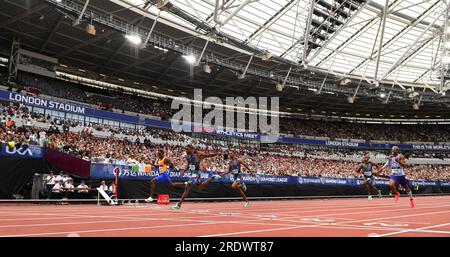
(112, 190)
(70, 193)
(83, 191)
(104, 187)
(58, 190)
(60, 177)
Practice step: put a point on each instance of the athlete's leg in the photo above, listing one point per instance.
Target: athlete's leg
(169, 181)
(176, 184)
(409, 191)
(186, 192)
(238, 187)
(393, 185)
(376, 190)
(367, 187)
(152, 187)
(206, 182)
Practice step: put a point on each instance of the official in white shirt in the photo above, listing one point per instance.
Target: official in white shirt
(60, 177)
(104, 186)
(58, 190)
(83, 194)
(69, 185)
(112, 189)
(49, 183)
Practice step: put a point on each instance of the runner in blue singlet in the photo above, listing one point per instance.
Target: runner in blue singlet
(397, 164)
(235, 169)
(367, 169)
(194, 159)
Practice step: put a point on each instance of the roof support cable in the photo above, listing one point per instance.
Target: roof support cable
(229, 17)
(407, 53)
(416, 105)
(389, 94)
(287, 76)
(367, 65)
(385, 11)
(445, 52)
(242, 76)
(306, 35)
(144, 45)
(326, 76)
(203, 51)
(78, 20)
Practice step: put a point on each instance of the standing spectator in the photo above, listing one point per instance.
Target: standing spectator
(49, 183)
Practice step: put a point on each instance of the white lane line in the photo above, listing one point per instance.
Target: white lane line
(139, 218)
(422, 229)
(320, 225)
(219, 215)
(105, 230)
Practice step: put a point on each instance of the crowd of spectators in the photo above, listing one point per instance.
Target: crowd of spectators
(103, 99)
(128, 149)
(299, 128)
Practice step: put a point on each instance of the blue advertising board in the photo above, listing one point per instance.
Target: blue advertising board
(101, 171)
(30, 152)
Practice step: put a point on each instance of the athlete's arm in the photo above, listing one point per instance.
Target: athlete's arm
(244, 164)
(169, 162)
(401, 160)
(228, 171)
(378, 172)
(155, 164)
(384, 166)
(358, 170)
(184, 170)
(376, 166)
(206, 155)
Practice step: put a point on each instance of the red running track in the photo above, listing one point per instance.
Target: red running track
(336, 217)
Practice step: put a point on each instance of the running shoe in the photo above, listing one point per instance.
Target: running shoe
(176, 207)
(369, 197)
(246, 204)
(411, 203)
(397, 195)
(244, 187)
(149, 200)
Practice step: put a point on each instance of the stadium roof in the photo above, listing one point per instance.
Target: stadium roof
(278, 26)
(46, 26)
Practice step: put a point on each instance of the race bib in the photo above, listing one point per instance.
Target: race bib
(397, 171)
(191, 167)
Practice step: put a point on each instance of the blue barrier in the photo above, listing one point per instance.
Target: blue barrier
(101, 171)
(30, 152)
